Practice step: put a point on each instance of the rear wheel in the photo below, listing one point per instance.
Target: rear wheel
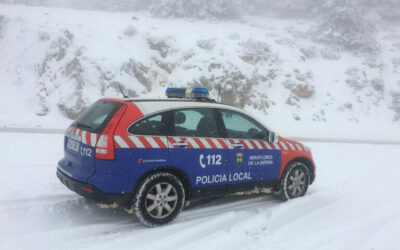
(159, 199)
(294, 182)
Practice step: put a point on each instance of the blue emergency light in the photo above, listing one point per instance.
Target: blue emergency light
(175, 92)
(195, 93)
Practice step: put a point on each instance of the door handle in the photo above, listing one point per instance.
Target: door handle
(181, 144)
(237, 145)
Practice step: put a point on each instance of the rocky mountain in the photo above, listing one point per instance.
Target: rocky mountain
(332, 72)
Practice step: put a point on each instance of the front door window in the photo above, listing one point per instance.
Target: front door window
(251, 157)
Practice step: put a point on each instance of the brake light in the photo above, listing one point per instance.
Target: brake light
(105, 149)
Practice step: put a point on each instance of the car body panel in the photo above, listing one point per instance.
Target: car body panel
(295, 150)
(207, 162)
(78, 161)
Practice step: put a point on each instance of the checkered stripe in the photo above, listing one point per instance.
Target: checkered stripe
(136, 141)
(84, 136)
(197, 142)
(133, 141)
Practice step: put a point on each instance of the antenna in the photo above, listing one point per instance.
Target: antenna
(122, 92)
(219, 92)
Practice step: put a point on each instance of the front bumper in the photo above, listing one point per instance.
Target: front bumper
(91, 192)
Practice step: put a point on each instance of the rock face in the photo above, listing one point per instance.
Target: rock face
(396, 105)
(303, 90)
(278, 70)
(2, 25)
(198, 9)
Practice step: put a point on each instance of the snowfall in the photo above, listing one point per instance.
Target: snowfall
(353, 204)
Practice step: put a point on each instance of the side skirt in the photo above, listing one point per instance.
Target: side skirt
(245, 188)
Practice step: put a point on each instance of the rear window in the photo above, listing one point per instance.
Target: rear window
(96, 117)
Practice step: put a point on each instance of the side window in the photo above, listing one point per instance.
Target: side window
(195, 122)
(241, 126)
(154, 125)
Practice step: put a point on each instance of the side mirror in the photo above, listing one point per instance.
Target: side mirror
(272, 137)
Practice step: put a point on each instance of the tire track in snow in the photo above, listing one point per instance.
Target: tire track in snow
(193, 225)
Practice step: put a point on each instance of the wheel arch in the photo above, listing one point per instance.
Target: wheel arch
(306, 161)
(181, 174)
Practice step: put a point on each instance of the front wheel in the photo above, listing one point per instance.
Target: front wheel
(294, 182)
(159, 199)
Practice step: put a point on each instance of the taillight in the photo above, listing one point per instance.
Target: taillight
(105, 149)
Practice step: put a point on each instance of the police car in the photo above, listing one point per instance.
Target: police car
(156, 155)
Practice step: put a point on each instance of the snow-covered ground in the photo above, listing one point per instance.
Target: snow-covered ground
(353, 204)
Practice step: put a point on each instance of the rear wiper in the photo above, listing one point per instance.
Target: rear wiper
(84, 126)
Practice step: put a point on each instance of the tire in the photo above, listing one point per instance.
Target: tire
(159, 199)
(294, 182)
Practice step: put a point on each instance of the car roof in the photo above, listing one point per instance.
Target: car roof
(150, 106)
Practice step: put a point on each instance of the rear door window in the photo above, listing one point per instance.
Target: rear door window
(96, 117)
(153, 125)
(197, 122)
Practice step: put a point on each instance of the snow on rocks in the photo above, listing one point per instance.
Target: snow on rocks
(57, 62)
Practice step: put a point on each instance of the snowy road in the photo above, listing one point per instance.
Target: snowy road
(354, 204)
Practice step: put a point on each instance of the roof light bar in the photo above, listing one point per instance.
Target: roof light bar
(175, 92)
(194, 93)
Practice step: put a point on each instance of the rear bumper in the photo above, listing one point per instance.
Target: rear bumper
(91, 192)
